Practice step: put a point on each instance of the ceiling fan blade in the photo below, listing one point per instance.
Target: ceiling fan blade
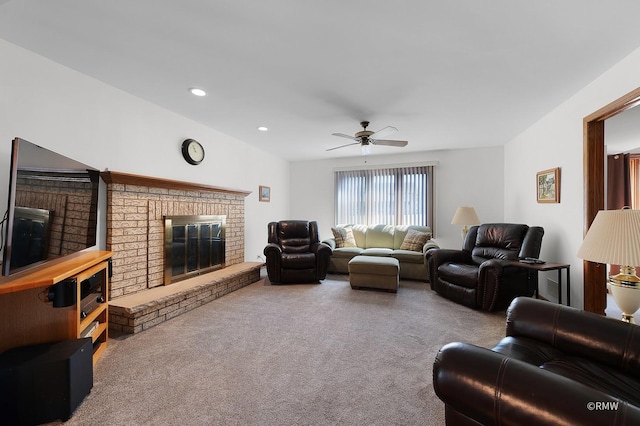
(389, 142)
(383, 132)
(342, 135)
(342, 146)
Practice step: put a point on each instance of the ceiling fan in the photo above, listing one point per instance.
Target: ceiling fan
(365, 138)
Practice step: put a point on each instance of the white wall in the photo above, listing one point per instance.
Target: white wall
(557, 141)
(89, 121)
(462, 177)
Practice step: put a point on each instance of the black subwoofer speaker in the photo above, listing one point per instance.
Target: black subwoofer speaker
(44, 383)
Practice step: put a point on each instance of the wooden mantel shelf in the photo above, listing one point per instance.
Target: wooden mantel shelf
(154, 182)
(51, 272)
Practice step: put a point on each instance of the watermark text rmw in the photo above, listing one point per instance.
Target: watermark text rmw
(602, 405)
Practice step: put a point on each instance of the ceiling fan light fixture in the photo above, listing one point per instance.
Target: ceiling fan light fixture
(365, 138)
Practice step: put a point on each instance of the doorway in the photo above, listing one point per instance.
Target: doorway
(595, 275)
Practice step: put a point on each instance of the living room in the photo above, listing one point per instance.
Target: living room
(79, 116)
(88, 120)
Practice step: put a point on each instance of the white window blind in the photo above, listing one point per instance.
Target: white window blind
(392, 196)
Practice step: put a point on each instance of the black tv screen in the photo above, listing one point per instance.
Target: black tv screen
(52, 209)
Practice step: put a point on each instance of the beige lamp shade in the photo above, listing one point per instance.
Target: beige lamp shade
(613, 238)
(465, 216)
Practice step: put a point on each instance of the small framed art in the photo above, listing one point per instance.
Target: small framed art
(548, 186)
(265, 193)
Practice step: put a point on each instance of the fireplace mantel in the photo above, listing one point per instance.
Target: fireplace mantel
(154, 182)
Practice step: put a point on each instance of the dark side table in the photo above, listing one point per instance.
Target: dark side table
(548, 266)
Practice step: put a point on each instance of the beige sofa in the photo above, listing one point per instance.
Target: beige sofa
(384, 241)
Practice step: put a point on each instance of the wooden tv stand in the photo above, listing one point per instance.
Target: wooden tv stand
(27, 317)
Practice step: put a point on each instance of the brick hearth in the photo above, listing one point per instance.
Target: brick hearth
(142, 310)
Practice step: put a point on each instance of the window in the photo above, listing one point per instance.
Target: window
(393, 196)
(623, 181)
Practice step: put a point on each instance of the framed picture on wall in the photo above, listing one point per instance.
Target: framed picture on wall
(265, 193)
(548, 186)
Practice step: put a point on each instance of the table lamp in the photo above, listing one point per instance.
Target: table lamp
(465, 216)
(614, 238)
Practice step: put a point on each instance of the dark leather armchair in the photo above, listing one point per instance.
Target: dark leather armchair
(557, 365)
(294, 253)
(479, 275)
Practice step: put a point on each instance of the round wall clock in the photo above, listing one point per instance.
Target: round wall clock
(192, 151)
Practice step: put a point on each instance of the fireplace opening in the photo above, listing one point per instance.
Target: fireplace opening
(193, 245)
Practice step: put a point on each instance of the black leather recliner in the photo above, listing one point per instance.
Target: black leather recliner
(294, 253)
(557, 365)
(479, 275)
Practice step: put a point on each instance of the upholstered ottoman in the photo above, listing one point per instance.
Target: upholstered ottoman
(374, 272)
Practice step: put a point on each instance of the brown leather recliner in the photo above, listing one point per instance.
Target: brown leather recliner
(479, 275)
(557, 365)
(294, 253)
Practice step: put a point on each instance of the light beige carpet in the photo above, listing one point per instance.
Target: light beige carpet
(320, 354)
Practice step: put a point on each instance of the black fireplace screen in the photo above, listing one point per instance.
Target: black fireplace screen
(193, 245)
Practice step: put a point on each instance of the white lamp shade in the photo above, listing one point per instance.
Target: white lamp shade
(613, 238)
(465, 216)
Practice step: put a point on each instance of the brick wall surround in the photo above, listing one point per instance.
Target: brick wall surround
(135, 227)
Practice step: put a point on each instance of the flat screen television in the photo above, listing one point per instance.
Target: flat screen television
(52, 209)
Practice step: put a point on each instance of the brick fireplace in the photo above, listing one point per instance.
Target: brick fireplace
(136, 209)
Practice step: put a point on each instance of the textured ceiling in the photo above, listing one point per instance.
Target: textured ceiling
(446, 74)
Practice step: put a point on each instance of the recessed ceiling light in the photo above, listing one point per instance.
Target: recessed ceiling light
(197, 92)
(263, 128)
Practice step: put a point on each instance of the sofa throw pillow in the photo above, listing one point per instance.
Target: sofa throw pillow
(344, 237)
(415, 240)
